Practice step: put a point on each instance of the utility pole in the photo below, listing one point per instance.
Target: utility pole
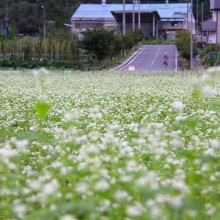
(139, 15)
(6, 19)
(187, 20)
(191, 37)
(202, 12)
(197, 17)
(44, 20)
(123, 19)
(133, 18)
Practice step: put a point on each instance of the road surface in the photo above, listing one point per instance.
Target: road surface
(150, 59)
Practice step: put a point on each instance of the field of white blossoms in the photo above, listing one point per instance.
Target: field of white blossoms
(109, 146)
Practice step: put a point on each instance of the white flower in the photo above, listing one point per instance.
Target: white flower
(7, 152)
(34, 184)
(213, 69)
(95, 113)
(178, 105)
(81, 188)
(151, 179)
(126, 178)
(39, 73)
(205, 77)
(50, 188)
(71, 115)
(175, 201)
(68, 217)
(120, 195)
(215, 143)
(21, 145)
(19, 208)
(181, 118)
(65, 170)
(210, 209)
(131, 165)
(209, 91)
(176, 143)
(135, 210)
(102, 185)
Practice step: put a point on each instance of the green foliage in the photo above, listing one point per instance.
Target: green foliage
(27, 52)
(159, 41)
(118, 44)
(104, 42)
(132, 38)
(33, 64)
(183, 44)
(209, 48)
(99, 41)
(209, 61)
(42, 109)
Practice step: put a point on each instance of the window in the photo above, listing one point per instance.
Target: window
(87, 24)
(174, 24)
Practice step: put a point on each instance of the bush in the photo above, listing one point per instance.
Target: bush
(99, 42)
(208, 49)
(33, 64)
(183, 44)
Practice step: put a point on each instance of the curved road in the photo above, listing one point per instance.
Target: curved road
(150, 59)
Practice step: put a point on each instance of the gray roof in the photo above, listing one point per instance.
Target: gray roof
(170, 11)
(93, 11)
(209, 26)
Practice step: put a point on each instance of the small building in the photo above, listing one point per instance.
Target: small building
(159, 20)
(215, 7)
(209, 31)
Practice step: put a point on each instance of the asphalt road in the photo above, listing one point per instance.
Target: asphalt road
(150, 59)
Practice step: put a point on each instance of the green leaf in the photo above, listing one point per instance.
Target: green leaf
(39, 136)
(42, 109)
(196, 94)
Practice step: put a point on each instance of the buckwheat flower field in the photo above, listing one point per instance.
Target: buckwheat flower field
(109, 146)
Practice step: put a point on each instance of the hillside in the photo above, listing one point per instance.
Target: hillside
(27, 15)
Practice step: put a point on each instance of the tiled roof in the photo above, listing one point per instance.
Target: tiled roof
(170, 11)
(209, 25)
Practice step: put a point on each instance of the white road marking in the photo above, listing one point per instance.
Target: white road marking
(125, 66)
(176, 60)
(157, 53)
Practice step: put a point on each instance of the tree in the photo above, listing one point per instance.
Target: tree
(99, 41)
(183, 44)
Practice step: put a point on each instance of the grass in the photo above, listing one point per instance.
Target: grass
(105, 145)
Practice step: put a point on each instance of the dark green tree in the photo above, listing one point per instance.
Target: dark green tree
(99, 41)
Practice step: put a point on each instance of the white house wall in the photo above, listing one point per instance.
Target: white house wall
(190, 22)
(211, 39)
(171, 26)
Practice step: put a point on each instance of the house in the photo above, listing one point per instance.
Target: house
(159, 20)
(209, 31)
(215, 7)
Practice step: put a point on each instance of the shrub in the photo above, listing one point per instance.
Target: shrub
(183, 44)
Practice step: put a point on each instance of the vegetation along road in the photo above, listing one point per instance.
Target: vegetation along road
(151, 59)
